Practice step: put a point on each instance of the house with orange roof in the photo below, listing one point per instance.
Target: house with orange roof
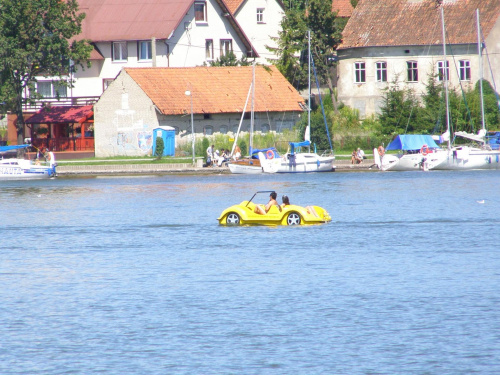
(401, 41)
(261, 20)
(143, 99)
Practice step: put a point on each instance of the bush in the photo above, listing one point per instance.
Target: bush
(160, 147)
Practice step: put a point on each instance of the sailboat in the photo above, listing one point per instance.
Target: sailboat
(302, 162)
(417, 152)
(15, 168)
(468, 157)
(252, 163)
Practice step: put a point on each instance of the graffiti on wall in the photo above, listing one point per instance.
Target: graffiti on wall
(145, 141)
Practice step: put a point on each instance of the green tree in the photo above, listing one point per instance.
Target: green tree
(35, 40)
(160, 147)
(399, 111)
(292, 42)
(319, 136)
(491, 110)
(230, 59)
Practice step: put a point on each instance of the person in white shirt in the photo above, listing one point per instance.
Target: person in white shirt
(210, 155)
(361, 155)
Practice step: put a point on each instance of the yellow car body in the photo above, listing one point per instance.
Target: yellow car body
(243, 214)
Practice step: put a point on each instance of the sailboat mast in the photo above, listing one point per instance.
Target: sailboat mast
(309, 78)
(252, 116)
(480, 56)
(445, 76)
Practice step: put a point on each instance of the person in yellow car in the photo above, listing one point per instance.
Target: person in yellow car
(264, 210)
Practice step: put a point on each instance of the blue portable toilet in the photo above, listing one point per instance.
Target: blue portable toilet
(167, 133)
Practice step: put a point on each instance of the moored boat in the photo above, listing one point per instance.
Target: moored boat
(16, 168)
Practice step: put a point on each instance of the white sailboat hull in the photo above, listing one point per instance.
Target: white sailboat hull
(244, 168)
(305, 162)
(467, 158)
(15, 169)
(411, 162)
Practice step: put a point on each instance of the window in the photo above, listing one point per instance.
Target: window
(226, 46)
(260, 15)
(49, 89)
(464, 69)
(209, 49)
(208, 130)
(145, 52)
(200, 11)
(235, 129)
(359, 72)
(412, 71)
(264, 128)
(120, 51)
(443, 70)
(223, 129)
(381, 71)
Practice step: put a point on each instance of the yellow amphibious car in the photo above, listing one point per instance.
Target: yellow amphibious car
(243, 214)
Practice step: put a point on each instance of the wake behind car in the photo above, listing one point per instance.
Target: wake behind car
(244, 214)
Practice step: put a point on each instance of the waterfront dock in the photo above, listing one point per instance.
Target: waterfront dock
(166, 168)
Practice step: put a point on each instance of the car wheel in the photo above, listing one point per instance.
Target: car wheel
(233, 219)
(293, 219)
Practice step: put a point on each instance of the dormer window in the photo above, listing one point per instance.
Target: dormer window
(145, 52)
(260, 15)
(120, 52)
(200, 12)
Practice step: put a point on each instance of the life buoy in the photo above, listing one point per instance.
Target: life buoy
(424, 150)
(270, 154)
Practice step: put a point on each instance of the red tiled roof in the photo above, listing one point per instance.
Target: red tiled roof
(233, 5)
(417, 22)
(216, 89)
(343, 7)
(108, 20)
(62, 115)
(112, 20)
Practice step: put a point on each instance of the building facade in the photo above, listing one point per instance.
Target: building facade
(400, 41)
(141, 99)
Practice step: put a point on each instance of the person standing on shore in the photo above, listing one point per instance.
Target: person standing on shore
(210, 155)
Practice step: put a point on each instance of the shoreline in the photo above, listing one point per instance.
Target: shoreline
(179, 168)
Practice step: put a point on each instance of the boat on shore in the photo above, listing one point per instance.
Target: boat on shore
(19, 169)
(298, 162)
(480, 155)
(417, 152)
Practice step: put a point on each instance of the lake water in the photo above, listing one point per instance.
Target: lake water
(133, 275)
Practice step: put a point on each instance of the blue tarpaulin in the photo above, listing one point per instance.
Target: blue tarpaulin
(411, 142)
(255, 152)
(299, 144)
(10, 148)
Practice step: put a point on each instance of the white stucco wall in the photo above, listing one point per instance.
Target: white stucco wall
(124, 119)
(186, 49)
(493, 49)
(366, 97)
(260, 33)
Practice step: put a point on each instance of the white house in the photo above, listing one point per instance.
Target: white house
(402, 40)
(163, 33)
(261, 22)
(142, 99)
